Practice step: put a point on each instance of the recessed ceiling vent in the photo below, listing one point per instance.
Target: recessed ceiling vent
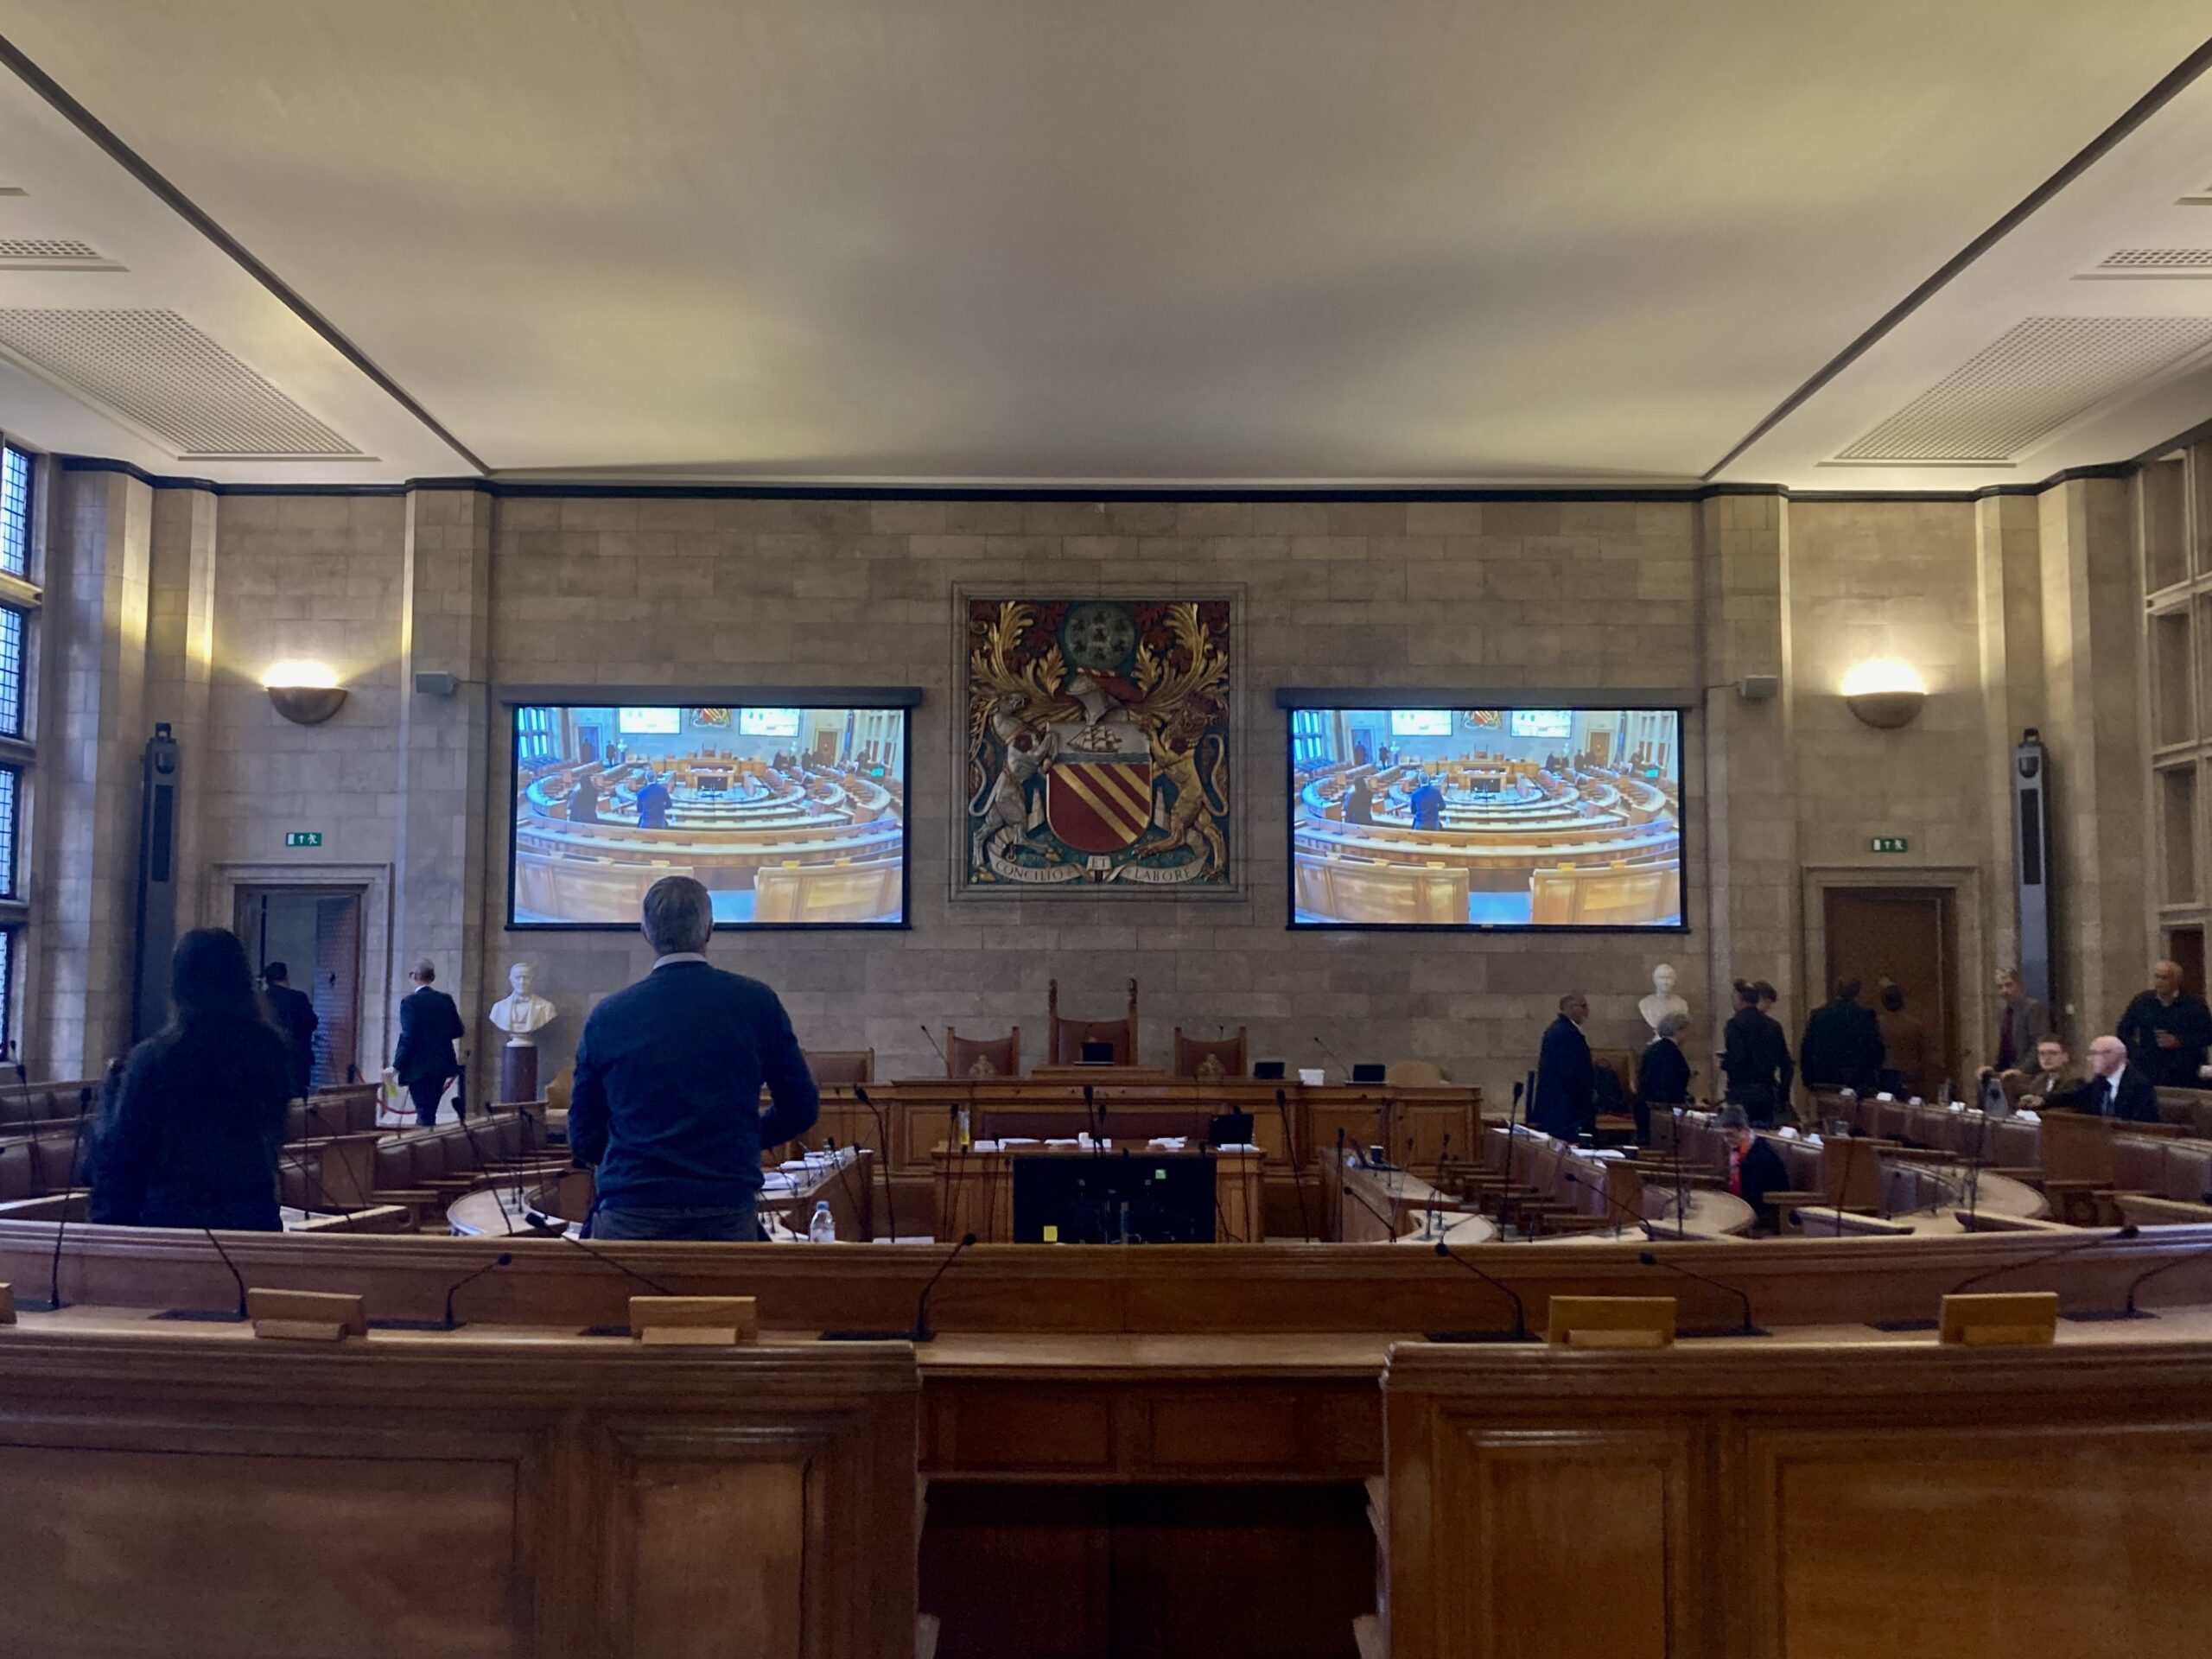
(2155, 261)
(51, 253)
(162, 375)
(2028, 382)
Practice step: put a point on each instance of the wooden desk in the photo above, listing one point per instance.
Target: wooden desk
(974, 1189)
(188, 1491)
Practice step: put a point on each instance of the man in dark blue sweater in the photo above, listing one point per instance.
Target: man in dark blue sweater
(666, 1102)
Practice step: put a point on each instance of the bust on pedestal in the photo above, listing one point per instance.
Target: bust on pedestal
(522, 1015)
(1662, 1000)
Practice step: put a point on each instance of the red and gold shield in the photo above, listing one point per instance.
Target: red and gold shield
(1099, 806)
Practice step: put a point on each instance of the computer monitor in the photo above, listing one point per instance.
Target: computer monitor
(1115, 1199)
(1267, 1070)
(1097, 1054)
(1368, 1072)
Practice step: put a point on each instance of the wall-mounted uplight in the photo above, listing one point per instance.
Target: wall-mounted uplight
(307, 694)
(1885, 693)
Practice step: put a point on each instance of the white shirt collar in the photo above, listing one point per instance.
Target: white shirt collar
(679, 956)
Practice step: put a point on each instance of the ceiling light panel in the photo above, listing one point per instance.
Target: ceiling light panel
(2031, 380)
(158, 371)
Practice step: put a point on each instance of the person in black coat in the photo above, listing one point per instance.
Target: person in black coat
(423, 1062)
(1755, 1058)
(293, 1014)
(190, 1126)
(1843, 1043)
(2167, 1031)
(1566, 1102)
(2115, 1088)
(1754, 1169)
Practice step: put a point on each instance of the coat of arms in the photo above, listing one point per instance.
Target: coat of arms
(1098, 743)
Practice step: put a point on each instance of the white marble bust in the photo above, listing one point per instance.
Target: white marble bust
(522, 1013)
(1662, 1000)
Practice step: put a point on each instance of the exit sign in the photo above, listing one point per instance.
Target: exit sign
(303, 838)
(1882, 844)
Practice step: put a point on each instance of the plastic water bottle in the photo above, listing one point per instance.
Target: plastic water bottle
(823, 1229)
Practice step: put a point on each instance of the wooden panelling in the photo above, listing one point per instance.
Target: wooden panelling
(198, 1492)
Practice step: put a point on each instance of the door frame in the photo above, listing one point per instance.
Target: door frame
(1972, 974)
(219, 905)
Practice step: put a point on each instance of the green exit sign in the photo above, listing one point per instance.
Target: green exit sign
(303, 838)
(1889, 843)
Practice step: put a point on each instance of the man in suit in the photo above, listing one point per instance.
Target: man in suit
(2054, 1077)
(2115, 1088)
(666, 1102)
(1662, 1074)
(1427, 804)
(423, 1062)
(293, 1013)
(1755, 1057)
(652, 803)
(1842, 1047)
(1755, 1169)
(2167, 1031)
(1566, 1103)
(2022, 1023)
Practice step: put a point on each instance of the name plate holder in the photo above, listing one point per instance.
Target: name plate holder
(2026, 1318)
(1610, 1322)
(306, 1315)
(694, 1321)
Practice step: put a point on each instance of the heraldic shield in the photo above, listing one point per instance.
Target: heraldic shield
(1098, 788)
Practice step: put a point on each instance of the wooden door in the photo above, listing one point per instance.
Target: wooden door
(2186, 946)
(337, 991)
(1903, 934)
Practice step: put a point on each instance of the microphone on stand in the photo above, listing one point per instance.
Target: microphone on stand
(1443, 1156)
(68, 1190)
(883, 1152)
(1343, 1187)
(920, 1331)
(1297, 1171)
(454, 1289)
(1329, 1053)
(1612, 1203)
(1746, 1328)
(941, 1060)
(1520, 1331)
(544, 1226)
(2129, 1232)
(2130, 1311)
(209, 1315)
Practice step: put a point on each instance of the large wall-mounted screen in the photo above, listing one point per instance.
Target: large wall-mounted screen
(1486, 817)
(792, 816)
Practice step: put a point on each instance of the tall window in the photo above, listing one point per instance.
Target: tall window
(534, 729)
(10, 778)
(1309, 736)
(11, 671)
(14, 511)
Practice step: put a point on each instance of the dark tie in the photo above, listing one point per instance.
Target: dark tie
(2112, 1098)
(2008, 1048)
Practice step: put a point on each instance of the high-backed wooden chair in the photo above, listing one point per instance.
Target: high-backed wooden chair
(841, 1068)
(982, 1057)
(1412, 1074)
(1197, 1057)
(1070, 1035)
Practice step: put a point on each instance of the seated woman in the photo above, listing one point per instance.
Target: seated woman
(190, 1130)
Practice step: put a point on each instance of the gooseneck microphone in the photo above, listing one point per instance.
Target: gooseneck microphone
(237, 1278)
(941, 1060)
(1520, 1331)
(68, 1190)
(1297, 1169)
(454, 1289)
(544, 1226)
(2129, 1232)
(2130, 1311)
(883, 1154)
(919, 1331)
(1343, 1187)
(1329, 1053)
(1745, 1329)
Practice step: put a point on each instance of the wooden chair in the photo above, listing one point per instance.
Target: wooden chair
(841, 1068)
(1412, 1074)
(1196, 1057)
(982, 1057)
(1068, 1036)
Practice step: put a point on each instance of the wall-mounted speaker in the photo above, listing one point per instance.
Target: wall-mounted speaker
(155, 939)
(2031, 813)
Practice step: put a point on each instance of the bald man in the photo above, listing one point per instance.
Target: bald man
(2115, 1088)
(2167, 1031)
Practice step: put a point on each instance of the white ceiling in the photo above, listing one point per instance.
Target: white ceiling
(1045, 242)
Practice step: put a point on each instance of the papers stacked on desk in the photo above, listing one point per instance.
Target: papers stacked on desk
(1167, 1143)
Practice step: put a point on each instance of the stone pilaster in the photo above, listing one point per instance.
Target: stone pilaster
(2008, 571)
(2093, 724)
(443, 817)
(1750, 867)
(93, 730)
(180, 658)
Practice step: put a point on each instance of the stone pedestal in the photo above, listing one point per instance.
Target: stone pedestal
(518, 1073)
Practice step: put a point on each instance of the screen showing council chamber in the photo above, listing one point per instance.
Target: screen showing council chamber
(790, 816)
(1486, 817)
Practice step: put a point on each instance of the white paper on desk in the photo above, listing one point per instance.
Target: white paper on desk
(1006, 1140)
(1246, 1145)
(1787, 1133)
(795, 1163)
(1066, 1143)
(1958, 1105)
(2029, 1114)
(1604, 1151)
(1167, 1143)
(777, 1181)
(984, 1146)
(1890, 1098)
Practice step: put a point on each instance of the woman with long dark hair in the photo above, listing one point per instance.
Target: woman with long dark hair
(188, 1133)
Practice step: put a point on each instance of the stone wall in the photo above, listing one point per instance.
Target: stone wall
(1546, 598)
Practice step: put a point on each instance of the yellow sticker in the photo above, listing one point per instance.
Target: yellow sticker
(1052, 1232)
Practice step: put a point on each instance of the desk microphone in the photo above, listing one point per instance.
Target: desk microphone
(1843, 1187)
(1611, 1202)
(1331, 1054)
(544, 1226)
(941, 1060)
(1746, 1328)
(353, 1178)
(2129, 1232)
(1443, 1156)
(499, 1260)
(209, 1316)
(1520, 1331)
(68, 1190)
(844, 1181)
(883, 1148)
(2132, 1312)
(1297, 1170)
(1389, 1227)
(920, 1331)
